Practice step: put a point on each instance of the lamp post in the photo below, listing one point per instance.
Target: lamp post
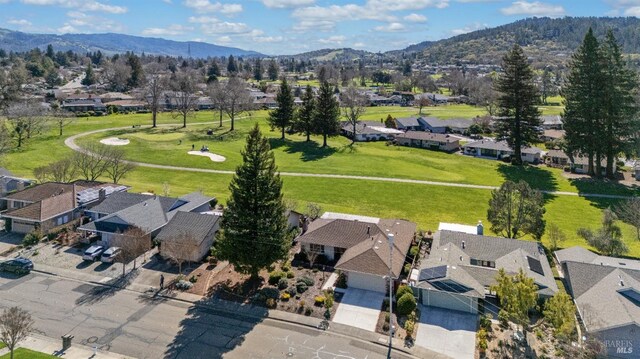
(390, 237)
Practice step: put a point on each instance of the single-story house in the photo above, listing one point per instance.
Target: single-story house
(436, 125)
(500, 150)
(149, 215)
(432, 141)
(461, 268)
(552, 122)
(556, 158)
(552, 135)
(51, 204)
(127, 105)
(409, 124)
(359, 247)
(90, 104)
(369, 131)
(188, 236)
(606, 292)
(580, 164)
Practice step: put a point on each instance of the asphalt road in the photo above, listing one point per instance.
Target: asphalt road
(132, 324)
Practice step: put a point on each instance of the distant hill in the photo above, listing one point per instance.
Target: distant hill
(115, 43)
(545, 40)
(340, 55)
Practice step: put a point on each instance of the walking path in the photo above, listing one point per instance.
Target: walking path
(70, 142)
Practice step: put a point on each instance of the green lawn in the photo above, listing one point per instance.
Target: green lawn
(2, 345)
(426, 205)
(22, 353)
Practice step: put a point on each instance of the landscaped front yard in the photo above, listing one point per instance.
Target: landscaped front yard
(22, 353)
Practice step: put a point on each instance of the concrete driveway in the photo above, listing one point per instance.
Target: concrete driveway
(359, 308)
(447, 332)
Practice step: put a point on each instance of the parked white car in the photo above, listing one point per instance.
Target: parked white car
(93, 253)
(110, 255)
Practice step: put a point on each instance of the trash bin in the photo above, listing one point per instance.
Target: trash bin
(66, 341)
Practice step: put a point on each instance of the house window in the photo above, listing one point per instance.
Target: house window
(316, 248)
(338, 252)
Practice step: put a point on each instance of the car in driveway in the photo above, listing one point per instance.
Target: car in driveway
(110, 255)
(17, 265)
(93, 253)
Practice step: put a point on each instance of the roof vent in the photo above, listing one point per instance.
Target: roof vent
(463, 245)
(368, 229)
(621, 283)
(460, 258)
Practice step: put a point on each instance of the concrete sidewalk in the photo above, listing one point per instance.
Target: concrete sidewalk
(50, 346)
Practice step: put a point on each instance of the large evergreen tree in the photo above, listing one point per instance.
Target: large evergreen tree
(273, 70)
(583, 94)
(253, 229)
(282, 117)
(89, 76)
(518, 116)
(257, 70)
(304, 120)
(232, 66)
(620, 110)
(213, 73)
(327, 115)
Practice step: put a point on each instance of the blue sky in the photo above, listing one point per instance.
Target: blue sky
(292, 26)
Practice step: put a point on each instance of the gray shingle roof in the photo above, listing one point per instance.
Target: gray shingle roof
(189, 226)
(583, 255)
(119, 201)
(408, 122)
(456, 250)
(604, 295)
(427, 136)
(499, 145)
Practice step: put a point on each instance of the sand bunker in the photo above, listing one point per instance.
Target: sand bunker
(212, 156)
(115, 141)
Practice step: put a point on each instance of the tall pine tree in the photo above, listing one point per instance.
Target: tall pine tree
(620, 109)
(254, 227)
(304, 122)
(583, 94)
(326, 118)
(518, 116)
(282, 117)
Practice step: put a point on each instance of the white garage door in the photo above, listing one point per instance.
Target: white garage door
(366, 281)
(452, 301)
(21, 227)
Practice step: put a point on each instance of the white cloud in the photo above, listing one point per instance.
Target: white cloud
(535, 8)
(223, 40)
(268, 39)
(469, 28)
(336, 40)
(415, 18)
(206, 6)
(20, 22)
(632, 11)
(358, 45)
(392, 27)
(80, 22)
(171, 30)
(82, 5)
(282, 4)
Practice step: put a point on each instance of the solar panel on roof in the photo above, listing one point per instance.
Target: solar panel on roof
(535, 265)
(432, 273)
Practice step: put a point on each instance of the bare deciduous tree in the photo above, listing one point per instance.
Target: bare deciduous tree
(422, 102)
(184, 96)
(237, 99)
(179, 249)
(26, 120)
(629, 212)
(218, 95)
(93, 162)
(117, 167)
(63, 170)
(153, 91)
(15, 325)
(132, 242)
(62, 119)
(314, 211)
(353, 105)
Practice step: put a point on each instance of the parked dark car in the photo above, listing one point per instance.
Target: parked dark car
(17, 265)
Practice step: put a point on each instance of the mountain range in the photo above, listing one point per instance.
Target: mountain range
(116, 43)
(545, 40)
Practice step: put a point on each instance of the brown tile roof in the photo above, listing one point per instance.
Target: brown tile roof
(49, 189)
(427, 136)
(47, 208)
(367, 248)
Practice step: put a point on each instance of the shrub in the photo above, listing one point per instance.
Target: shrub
(385, 304)
(193, 279)
(319, 300)
(402, 290)
(270, 292)
(274, 277)
(306, 280)
(482, 340)
(406, 304)
(32, 238)
(292, 291)
(387, 318)
(270, 303)
(414, 251)
(539, 334)
(308, 311)
(301, 287)
(328, 299)
(285, 296)
(184, 285)
(283, 283)
(407, 268)
(341, 282)
(290, 275)
(385, 327)
(286, 267)
(485, 322)
(409, 327)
